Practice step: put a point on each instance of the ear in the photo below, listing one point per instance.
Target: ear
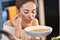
(17, 11)
(19, 14)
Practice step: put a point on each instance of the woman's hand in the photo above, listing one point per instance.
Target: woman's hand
(17, 24)
(35, 38)
(16, 21)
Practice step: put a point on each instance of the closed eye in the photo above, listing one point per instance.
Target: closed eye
(26, 12)
(33, 12)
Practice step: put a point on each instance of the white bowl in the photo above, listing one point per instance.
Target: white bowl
(38, 34)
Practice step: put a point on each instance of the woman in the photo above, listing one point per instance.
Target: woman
(25, 17)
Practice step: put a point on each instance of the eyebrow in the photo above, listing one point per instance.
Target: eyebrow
(28, 10)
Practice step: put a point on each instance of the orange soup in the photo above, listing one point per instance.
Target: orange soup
(39, 30)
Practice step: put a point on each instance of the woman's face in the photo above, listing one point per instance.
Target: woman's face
(28, 11)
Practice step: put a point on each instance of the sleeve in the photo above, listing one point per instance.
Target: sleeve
(5, 28)
(4, 37)
(9, 30)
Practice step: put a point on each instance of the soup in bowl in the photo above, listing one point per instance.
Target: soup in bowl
(38, 30)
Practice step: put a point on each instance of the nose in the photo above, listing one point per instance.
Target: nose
(30, 15)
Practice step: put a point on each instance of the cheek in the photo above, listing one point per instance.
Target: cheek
(25, 16)
(33, 15)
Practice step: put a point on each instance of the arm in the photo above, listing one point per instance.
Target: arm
(7, 28)
(17, 24)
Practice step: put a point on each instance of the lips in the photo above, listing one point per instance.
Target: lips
(29, 20)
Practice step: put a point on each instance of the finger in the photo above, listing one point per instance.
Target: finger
(18, 20)
(14, 18)
(33, 38)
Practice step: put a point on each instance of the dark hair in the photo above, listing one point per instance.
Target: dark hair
(19, 3)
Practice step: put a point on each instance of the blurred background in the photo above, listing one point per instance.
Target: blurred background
(51, 7)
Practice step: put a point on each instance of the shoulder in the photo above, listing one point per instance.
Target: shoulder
(8, 27)
(9, 23)
(35, 22)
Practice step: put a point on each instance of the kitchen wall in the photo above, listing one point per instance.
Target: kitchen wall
(52, 16)
(59, 17)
